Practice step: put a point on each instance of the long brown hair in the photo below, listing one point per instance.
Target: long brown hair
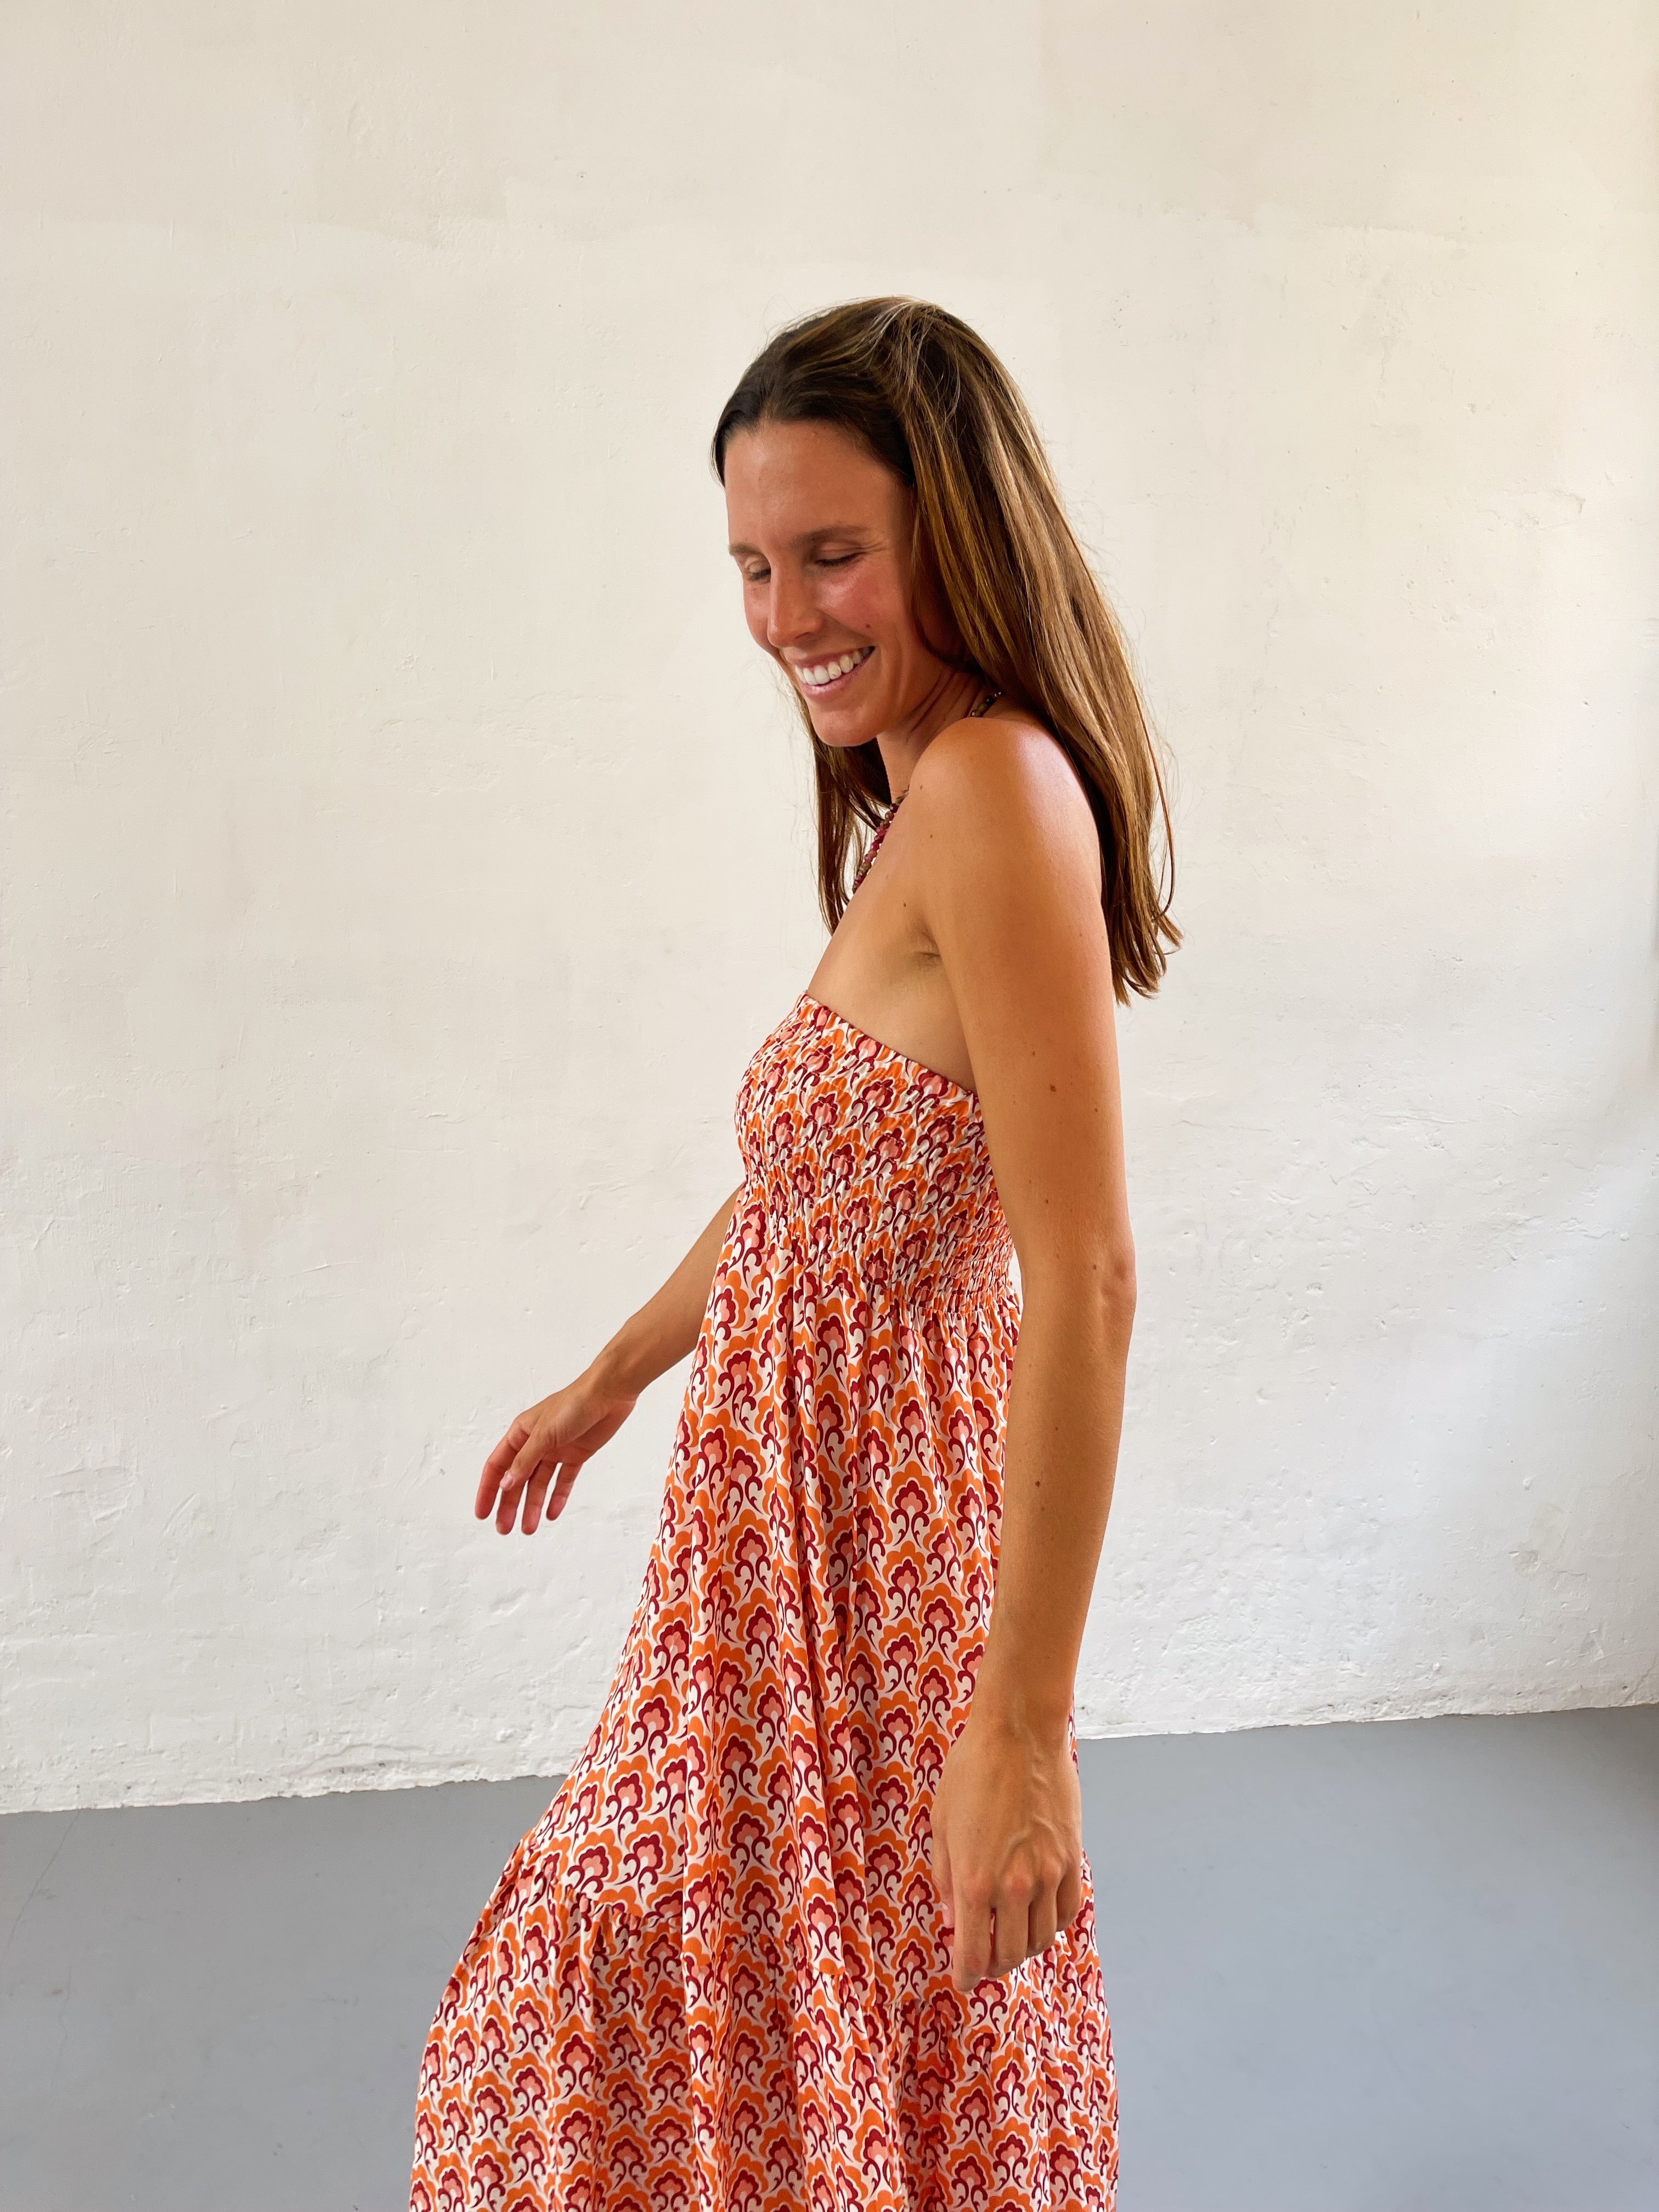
(927, 396)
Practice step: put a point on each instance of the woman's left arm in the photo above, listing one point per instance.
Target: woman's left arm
(1009, 874)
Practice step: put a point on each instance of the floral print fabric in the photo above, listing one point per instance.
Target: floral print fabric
(713, 1977)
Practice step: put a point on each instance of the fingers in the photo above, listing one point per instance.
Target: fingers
(535, 1492)
(531, 1470)
(1013, 1921)
(530, 1457)
(970, 1952)
(1044, 1923)
(561, 1489)
(497, 1465)
(1069, 1900)
(1018, 1921)
(939, 1860)
(545, 1493)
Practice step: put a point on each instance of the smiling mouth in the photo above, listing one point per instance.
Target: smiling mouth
(817, 677)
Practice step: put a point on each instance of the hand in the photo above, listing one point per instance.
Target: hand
(548, 1446)
(1007, 1845)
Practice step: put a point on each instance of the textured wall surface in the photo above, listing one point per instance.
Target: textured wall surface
(405, 846)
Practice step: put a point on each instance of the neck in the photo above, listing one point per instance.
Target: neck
(950, 700)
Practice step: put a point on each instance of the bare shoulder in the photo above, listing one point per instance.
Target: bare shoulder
(1001, 785)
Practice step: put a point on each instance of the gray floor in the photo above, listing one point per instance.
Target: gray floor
(1412, 1966)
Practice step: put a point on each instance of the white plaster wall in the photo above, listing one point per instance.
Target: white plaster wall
(405, 847)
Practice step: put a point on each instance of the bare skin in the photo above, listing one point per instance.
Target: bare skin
(977, 947)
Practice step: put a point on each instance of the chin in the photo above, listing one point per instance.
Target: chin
(844, 732)
(846, 723)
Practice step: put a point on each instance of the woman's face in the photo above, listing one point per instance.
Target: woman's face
(822, 533)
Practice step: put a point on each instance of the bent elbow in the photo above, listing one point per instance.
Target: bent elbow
(1118, 1287)
(1096, 1289)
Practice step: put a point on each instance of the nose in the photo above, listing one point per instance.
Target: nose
(791, 615)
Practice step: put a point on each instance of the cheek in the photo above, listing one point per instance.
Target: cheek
(869, 605)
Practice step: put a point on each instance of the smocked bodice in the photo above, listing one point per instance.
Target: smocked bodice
(866, 1163)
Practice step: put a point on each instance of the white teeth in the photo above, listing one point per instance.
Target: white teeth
(831, 669)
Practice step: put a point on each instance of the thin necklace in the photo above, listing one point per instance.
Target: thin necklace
(986, 701)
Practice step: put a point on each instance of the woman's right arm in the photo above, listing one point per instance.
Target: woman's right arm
(545, 1448)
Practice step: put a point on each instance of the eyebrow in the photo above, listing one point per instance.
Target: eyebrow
(807, 537)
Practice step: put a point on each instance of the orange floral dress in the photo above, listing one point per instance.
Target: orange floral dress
(713, 1978)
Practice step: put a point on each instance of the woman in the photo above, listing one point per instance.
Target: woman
(809, 1924)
